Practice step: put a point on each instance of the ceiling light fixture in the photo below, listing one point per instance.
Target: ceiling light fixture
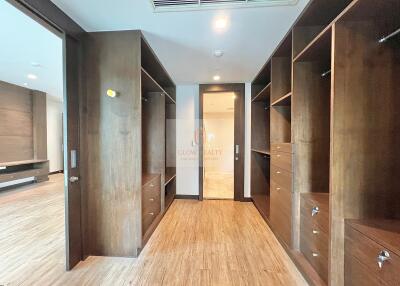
(221, 24)
(32, 76)
(216, 77)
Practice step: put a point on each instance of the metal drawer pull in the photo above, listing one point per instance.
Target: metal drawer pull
(315, 231)
(151, 185)
(382, 257)
(278, 147)
(278, 156)
(278, 172)
(151, 200)
(151, 214)
(314, 254)
(278, 189)
(315, 211)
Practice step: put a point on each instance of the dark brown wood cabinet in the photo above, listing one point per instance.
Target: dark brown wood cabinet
(372, 252)
(334, 138)
(130, 143)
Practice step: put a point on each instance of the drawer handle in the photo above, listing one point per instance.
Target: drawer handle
(314, 211)
(278, 156)
(314, 254)
(278, 189)
(151, 185)
(151, 214)
(278, 147)
(151, 200)
(315, 232)
(382, 257)
(278, 172)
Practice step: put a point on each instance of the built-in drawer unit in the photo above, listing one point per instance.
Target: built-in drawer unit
(281, 147)
(281, 212)
(151, 200)
(281, 177)
(282, 160)
(314, 231)
(372, 252)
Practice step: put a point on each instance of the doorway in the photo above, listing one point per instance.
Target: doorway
(221, 144)
(218, 155)
(38, 23)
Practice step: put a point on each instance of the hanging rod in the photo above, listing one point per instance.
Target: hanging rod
(384, 39)
(326, 73)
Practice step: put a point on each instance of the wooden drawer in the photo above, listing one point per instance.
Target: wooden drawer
(151, 199)
(314, 244)
(361, 256)
(282, 160)
(281, 177)
(316, 257)
(281, 147)
(320, 203)
(281, 212)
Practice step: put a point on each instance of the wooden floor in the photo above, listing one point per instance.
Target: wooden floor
(218, 185)
(197, 243)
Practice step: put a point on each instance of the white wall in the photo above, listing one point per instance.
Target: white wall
(187, 161)
(54, 133)
(187, 114)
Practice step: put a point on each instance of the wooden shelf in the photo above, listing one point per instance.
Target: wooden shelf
(283, 101)
(149, 84)
(25, 162)
(264, 152)
(319, 48)
(147, 177)
(169, 178)
(264, 94)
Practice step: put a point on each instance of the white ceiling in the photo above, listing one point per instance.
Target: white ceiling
(185, 41)
(23, 42)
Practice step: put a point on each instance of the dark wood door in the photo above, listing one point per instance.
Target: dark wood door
(239, 90)
(73, 227)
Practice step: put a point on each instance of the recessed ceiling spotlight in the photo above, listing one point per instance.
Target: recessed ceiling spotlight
(36, 65)
(216, 77)
(218, 53)
(32, 76)
(221, 24)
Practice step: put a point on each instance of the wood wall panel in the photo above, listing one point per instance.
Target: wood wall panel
(113, 143)
(16, 98)
(15, 123)
(15, 148)
(39, 125)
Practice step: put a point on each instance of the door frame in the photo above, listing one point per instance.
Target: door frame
(239, 137)
(55, 20)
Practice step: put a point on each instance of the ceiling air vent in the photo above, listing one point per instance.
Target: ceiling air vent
(182, 5)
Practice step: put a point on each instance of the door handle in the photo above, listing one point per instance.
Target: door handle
(237, 152)
(74, 179)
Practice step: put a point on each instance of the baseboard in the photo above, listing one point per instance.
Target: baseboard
(56, 172)
(16, 186)
(247, 200)
(187, 197)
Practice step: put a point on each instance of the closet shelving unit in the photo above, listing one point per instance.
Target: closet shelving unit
(333, 141)
(260, 133)
(158, 140)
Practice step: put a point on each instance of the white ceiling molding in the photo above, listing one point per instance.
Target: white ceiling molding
(192, 5)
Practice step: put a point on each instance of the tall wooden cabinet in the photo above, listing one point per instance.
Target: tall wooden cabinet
(334, 135)
(130, 144)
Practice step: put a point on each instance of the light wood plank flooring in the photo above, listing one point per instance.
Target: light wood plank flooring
(218, 185)
(197, 243)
